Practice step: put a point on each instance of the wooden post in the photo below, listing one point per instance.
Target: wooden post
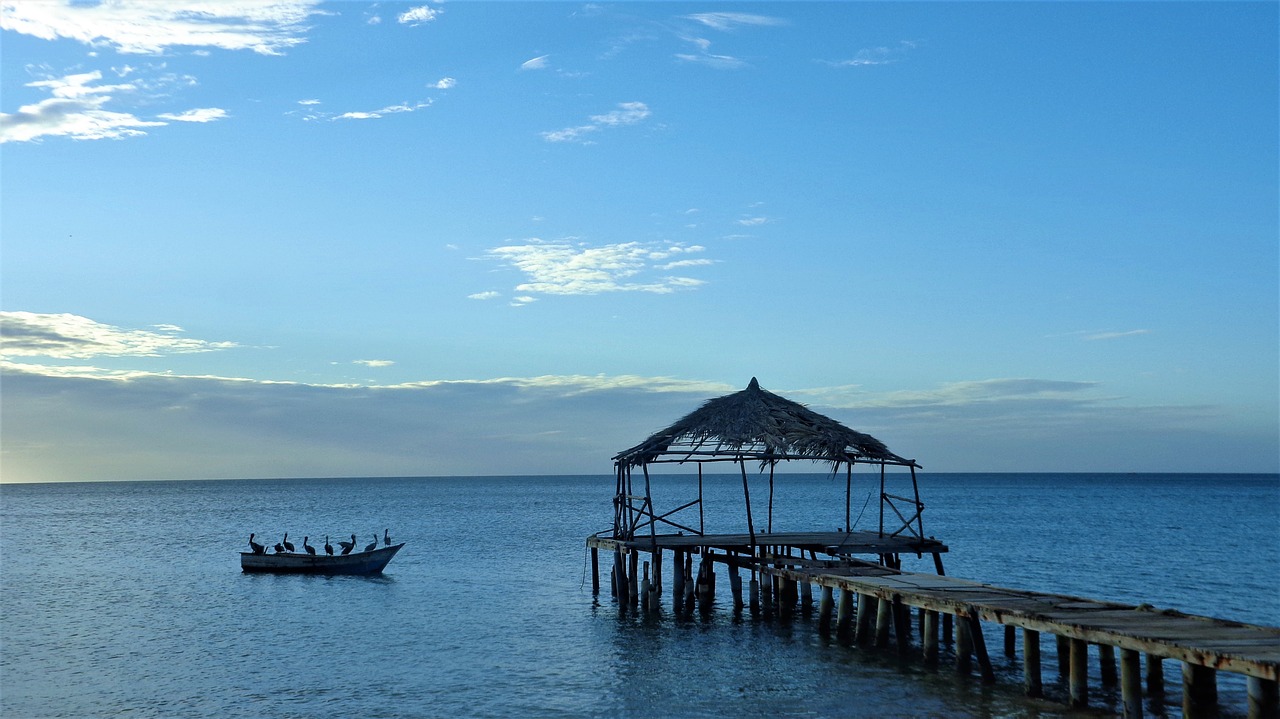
(706, 582)
(766, 592)
(1155, 676)
(657, 573)
(964, 646)
(1031, 677)
(620, 576)
(1079, 673)
(1064, 653)
(646, 590)
(844, 615)
(806, 596)
(595, 572)
(866, 613)
(677, 580)
(980, 647)
(1010, 641)
(753, 594)
(1264, 698)
(902, 626)
(785, 603)
(930, 639)
(1131, 683)
(735, 585)
(1107, 664)
(884, 615)
(1199, 691)
(825, 602)
(633, 586)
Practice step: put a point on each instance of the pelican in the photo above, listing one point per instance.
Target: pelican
(386, 537)
(372, 545)
(287, 544)
(279, 548)
(257, 548)
(310, 549)
(348, 546)
(328, 548)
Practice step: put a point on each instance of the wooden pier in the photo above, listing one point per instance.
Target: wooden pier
(876, 599)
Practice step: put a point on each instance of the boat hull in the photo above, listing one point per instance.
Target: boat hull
(294, 563)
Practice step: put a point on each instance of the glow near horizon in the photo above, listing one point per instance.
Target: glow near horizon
(292, 239)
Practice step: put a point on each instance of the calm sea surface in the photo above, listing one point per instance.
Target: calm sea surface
(127, 600)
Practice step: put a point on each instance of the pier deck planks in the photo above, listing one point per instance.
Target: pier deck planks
(1220, 644)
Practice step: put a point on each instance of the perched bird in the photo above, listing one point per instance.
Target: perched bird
(257, 548)
(287, 544)
(328, 548)
(348, 546)
(310, 549)
(372, 545)
(386, 537)
(279, 548)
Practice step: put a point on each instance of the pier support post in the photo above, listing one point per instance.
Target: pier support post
(1264, 698)
(633, 586)
(844, 616)
(930, 638)
(706, 582)
(1010, 641)
(657, 575)
(735, 586)
(806, 597)
(946, 626)
(866, 613)
(964, 646)
(1107, 664)
(1131, 684)
(1064, 652)
(1031, 677)
(786, 595)
(677, 580)
(1079, 673)
(646, 591)
(1155, 675)
(1199, 691)
(753, 595)
(766, 593)
(595, 572)
(620, 576)
(980, 647)
(884, 617)
(825, 603)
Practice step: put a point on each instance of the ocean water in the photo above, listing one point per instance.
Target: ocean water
(125, 599)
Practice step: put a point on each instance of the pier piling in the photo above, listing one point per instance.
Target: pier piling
(1031, 677)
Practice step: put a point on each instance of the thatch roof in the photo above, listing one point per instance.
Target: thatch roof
(757, 424)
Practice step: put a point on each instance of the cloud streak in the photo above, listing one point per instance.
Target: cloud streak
(627, 113)
(572, 268)
(68, 336)
(147, 27)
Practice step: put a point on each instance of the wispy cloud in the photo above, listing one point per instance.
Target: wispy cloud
(444, 83)
(148, 27)
(489, 295)
(628, 113)
(383, 112)
(725, 21)
(1095, 336)
(537, 63)
(575, 268)
(203, 114)
(418, 15)
(375, 363)
(870, 56)
(68, 336)
(753, 221)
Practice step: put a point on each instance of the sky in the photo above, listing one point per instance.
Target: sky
(286, 239)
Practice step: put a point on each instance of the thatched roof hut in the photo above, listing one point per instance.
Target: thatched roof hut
(758, 426)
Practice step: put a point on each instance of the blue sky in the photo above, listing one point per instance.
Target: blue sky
(247, 239)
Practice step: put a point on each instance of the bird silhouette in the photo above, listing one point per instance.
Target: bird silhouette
(372, 545)
(310, 549)
(348, 546)
(257, 548)
(328, 548)
(287, 544)
(386, 537)
(279, 548)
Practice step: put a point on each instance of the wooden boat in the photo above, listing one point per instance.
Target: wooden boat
(296, 563)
